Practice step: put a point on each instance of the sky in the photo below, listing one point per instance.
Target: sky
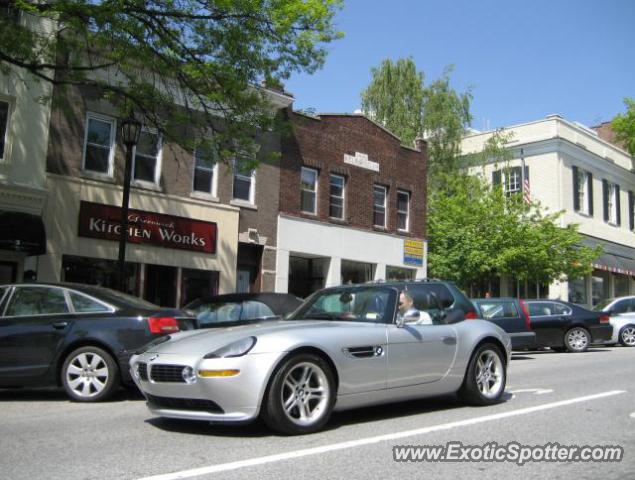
(522, 59)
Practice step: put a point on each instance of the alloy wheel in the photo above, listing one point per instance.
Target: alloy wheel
(489, 373)
(305, 394)
(577, 339)
(87, 374)
(628, 336)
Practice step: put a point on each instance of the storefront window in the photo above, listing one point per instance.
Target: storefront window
(197, 283)
(357, 272)
(621, 285)
(160, 285)
(306, 275)
(398, 274)
(577, 291)
(600, 286)
(92, 271)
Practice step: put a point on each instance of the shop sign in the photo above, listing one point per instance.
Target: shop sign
(413, 252)
(148, 228)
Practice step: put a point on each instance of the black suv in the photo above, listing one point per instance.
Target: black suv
(428, 294)
(511, 315)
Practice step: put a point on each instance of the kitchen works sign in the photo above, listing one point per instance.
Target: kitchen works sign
(104, 222)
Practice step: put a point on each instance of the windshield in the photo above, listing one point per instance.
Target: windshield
(357, 304)
(604, 303)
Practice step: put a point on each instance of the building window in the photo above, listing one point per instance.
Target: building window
(308, 187)
(205, 170)
(147, 158)
(99, 144)
(403, 211)
(611, 193)
(244, 181)
(513, 180)
(4, 128)
(582, 191)
(336, 197)
(379, 205)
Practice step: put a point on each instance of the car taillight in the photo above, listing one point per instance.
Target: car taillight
(523, 307)
(163, 325)
(471, 316)
(604, 319)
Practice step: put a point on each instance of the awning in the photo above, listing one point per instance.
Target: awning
(22, 232)
(616, 258)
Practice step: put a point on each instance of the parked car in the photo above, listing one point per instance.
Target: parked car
(345, 347)
(512, 316)
(565, 326)
(234, 308)
(621, 313)
(76, 336)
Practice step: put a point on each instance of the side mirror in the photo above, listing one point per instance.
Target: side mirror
(412, 318)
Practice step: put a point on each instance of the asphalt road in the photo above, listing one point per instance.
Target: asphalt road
(572, 399)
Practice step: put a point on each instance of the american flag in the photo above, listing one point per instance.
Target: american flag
(525, 177)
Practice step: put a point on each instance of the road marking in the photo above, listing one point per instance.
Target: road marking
(252, 462)
(633, 415)
(535, 391)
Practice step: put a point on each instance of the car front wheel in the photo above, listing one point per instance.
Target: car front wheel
(627, 336)
(577, 340)
(89, 374)
(300, 396)
(485, 378)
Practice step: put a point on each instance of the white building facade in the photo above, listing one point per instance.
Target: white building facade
(571, 169)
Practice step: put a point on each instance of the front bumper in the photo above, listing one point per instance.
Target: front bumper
(214, 399)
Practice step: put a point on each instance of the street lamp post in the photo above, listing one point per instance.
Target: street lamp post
(130, 132)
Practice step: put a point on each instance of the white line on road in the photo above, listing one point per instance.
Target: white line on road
(223, 467)
(633, 415)
(535, 391)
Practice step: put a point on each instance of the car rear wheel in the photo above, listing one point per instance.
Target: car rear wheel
(485, 378)
(300, 396)
(627, 336)
(577, 339)
(89, 374)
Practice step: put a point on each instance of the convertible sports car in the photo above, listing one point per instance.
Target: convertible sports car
(345, 347)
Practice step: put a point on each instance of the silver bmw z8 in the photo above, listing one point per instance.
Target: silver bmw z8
(343, 348)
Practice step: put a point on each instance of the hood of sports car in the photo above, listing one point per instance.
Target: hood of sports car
(271, 335)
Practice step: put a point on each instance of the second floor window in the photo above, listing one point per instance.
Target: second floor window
(308, 187)
(611, 193)
(379, 205)
(244, 181)
(147, 158)
(4, 127)
(99, 144)
(513, 180)
(205, 170)
(403, 211)
(582, 191)
(336, 197)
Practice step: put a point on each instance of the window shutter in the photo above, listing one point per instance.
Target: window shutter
(496, 178)
(631, 220)
(576, 190)
(618, 206)
(590, 189)
(605, 197)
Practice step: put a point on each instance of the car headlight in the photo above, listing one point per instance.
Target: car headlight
(152, 344)
(234, 349)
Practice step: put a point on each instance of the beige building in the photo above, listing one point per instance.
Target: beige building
(571, 168)
(24, 122)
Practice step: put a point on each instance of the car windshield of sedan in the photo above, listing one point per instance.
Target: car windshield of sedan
(364, 304)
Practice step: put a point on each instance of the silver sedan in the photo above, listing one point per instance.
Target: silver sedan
(345, 347)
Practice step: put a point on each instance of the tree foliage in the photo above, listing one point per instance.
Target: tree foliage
(477, 232)
(624, 126)
(398, 99)
(172, 62)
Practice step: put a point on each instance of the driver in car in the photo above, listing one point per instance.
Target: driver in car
(407, 309)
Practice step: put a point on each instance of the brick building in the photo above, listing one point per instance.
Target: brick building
(352, 204)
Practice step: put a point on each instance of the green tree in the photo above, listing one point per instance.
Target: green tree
(624, 126)
(476, 232)
(175, 64)
(398, 99)
(394, 98)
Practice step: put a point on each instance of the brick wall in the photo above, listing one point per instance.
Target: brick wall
(321, 143)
